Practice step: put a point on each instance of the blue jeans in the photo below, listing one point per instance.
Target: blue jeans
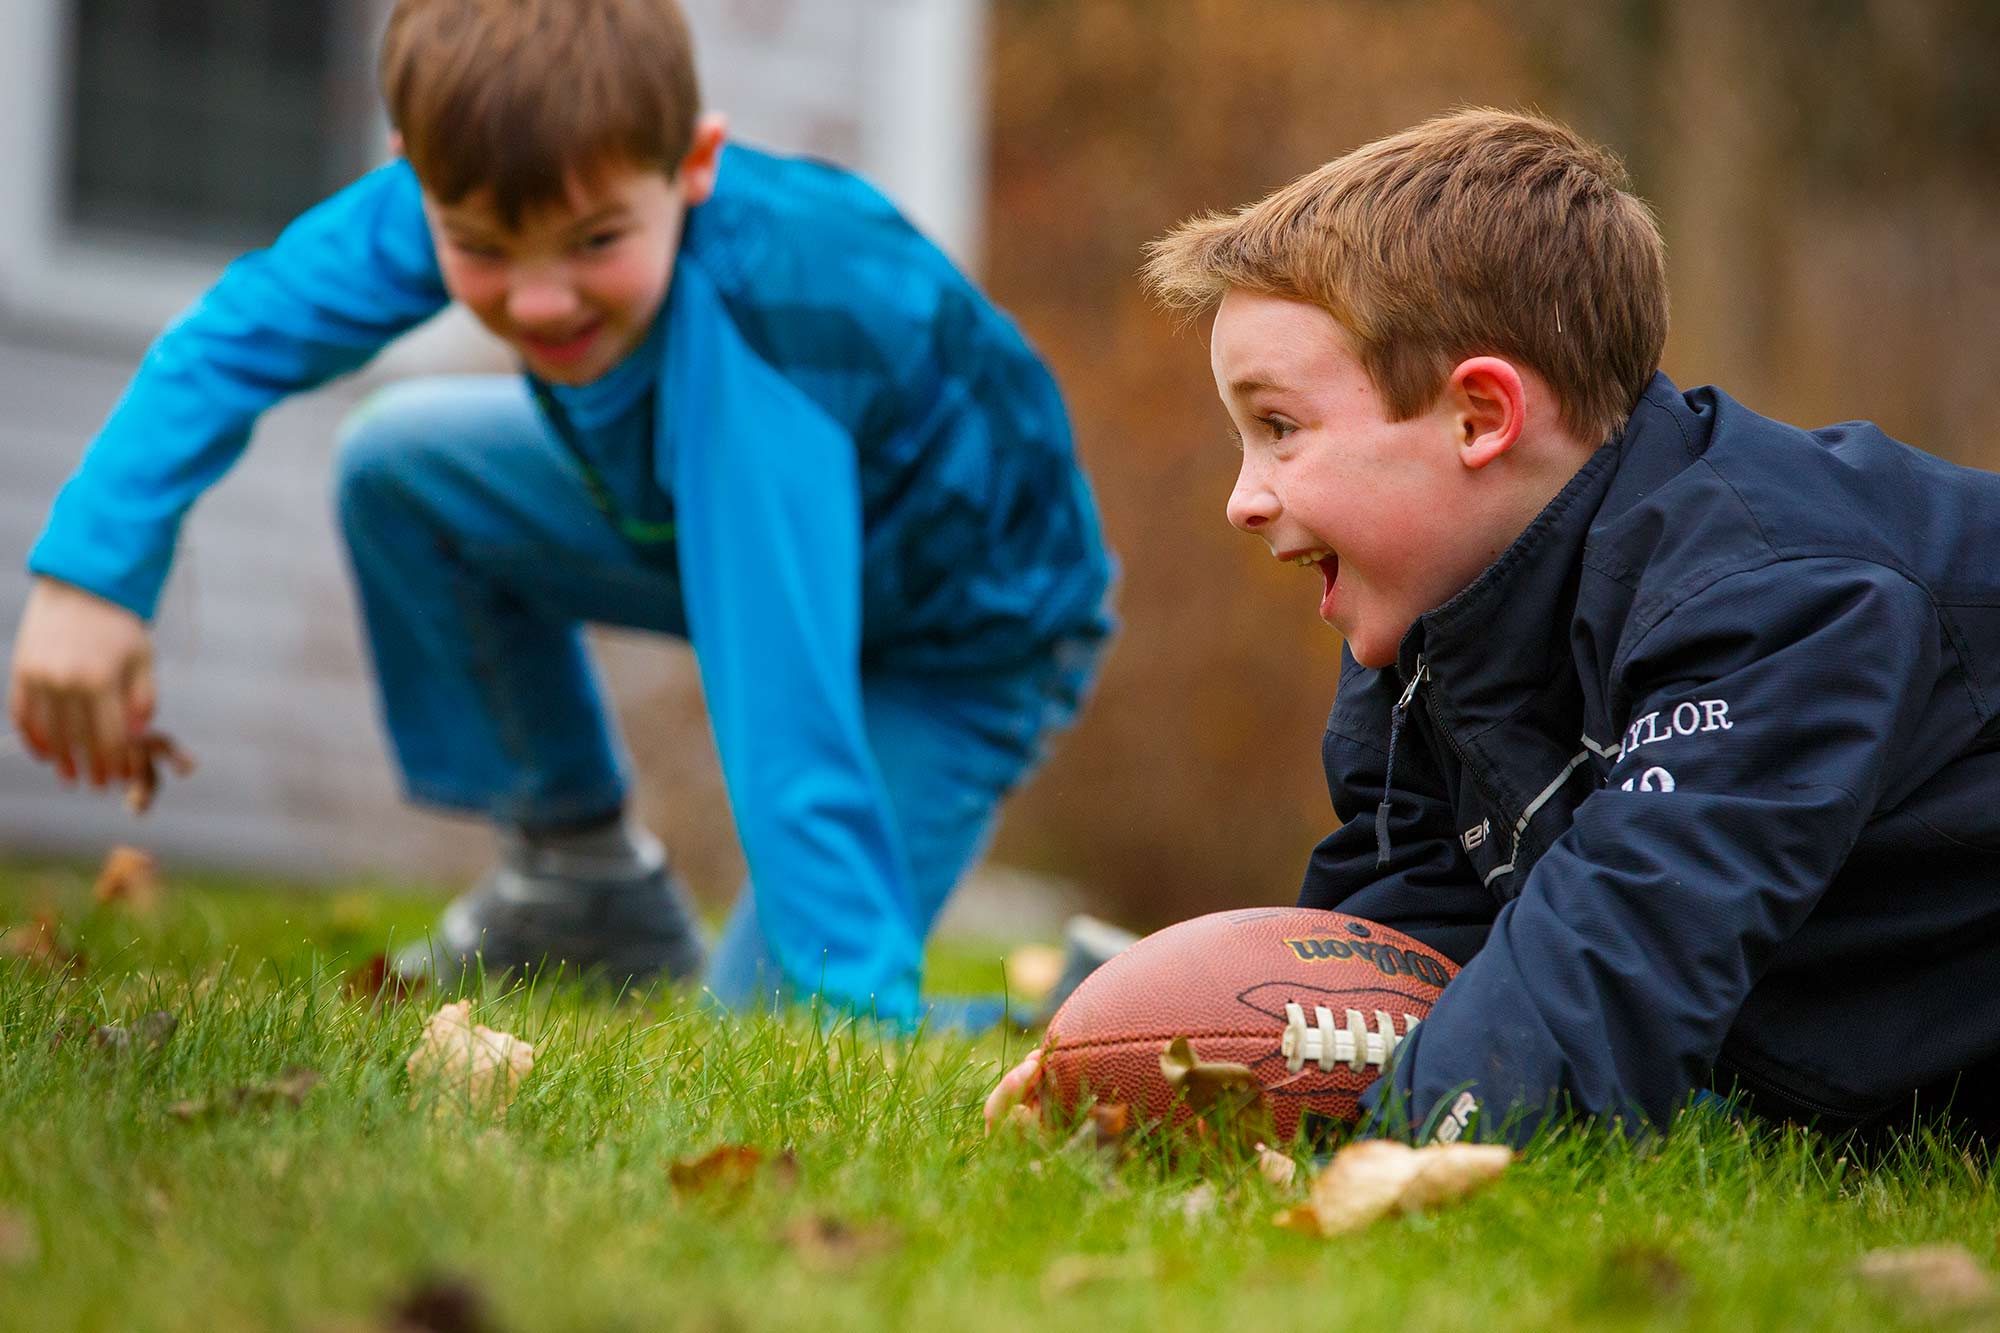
(479, 556)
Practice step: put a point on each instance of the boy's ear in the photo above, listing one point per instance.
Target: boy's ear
(696, 176)
(1490, 407)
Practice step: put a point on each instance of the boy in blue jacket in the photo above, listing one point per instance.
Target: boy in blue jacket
(759, 412)
(1673, 724)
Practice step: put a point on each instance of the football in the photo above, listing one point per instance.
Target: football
(1312, 1002)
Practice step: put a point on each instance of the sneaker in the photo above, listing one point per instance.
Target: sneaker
(629, 930)
(1088, 944)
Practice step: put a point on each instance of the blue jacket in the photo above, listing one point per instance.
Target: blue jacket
(1700, 780)
(862, 466)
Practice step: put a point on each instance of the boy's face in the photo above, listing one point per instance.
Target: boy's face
(576, 285)
(1384, 512)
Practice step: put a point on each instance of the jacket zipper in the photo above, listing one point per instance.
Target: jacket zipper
(1418, 675)
(1397, 716)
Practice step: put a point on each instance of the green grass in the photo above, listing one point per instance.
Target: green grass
(563, 1215)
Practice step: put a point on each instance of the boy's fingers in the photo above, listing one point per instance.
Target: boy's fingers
(109, 734)
(34, 723)
(140, 701)
(1013, 1089)
(57, 715)
(88, 752)
(17, 712)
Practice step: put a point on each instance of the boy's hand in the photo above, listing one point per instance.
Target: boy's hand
(1018, 1090)
(82, 689)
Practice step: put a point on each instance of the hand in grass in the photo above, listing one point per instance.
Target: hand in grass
(82, 689)
(1019, 1090)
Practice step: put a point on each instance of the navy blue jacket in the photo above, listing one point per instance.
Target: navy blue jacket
(1700, 780)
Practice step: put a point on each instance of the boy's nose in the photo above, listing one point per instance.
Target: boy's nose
(540, 299)
(1251, 505)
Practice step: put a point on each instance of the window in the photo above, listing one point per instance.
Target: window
(208, 121)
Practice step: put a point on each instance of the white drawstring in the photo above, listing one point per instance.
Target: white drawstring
(1328, 1044)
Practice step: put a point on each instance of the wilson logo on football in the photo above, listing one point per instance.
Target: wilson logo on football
(1387, 958)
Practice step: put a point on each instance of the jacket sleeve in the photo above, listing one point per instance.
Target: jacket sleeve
(1427, 888)
(340, 282)
(768, 492)
(1764, 715)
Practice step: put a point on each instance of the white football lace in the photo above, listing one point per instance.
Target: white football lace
(1328, 1044)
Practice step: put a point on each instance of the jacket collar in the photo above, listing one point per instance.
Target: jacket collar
(1507, 632)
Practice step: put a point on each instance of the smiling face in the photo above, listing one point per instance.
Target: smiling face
(575, 286)
(1394, 516)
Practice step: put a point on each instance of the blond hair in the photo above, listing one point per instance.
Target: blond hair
(1479, 232)
(517, 96)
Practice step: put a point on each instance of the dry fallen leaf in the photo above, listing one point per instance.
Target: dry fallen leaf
(831, 1244)
(731, 1167)
(18, 1245)
(1277, 1168)
(1032, 971)
(1072, 1271)
(288, 1089)
(155, 748)
(453, 1054)
(147, 1034)
(1105, 1128)
(1367, 1180)
(441, 1304)
(1937, 1279)
(1642, 1275)
(376, 980)
(1198, 1202)
(130, 879)
(1228, 1096)
(40, 941)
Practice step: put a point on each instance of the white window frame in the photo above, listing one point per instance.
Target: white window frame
(923, 140)
(51, 278)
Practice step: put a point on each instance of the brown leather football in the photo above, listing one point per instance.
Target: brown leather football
(1313, 1002)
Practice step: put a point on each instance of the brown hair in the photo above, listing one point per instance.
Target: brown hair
(1479, 232)
(517, 95)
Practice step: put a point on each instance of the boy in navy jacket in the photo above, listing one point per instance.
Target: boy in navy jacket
(760, 412)
(1673, 724)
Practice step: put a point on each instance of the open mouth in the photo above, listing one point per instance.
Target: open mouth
(1328, 564)
(563, 351)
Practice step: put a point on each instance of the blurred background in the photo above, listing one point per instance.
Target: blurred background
(1827, 173)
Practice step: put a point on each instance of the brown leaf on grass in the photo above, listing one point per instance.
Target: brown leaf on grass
(441, 1304)
(1370, 1179)
(833, 1245)
(1227, 1096)
(146, 1035)
(130, 879)
(1032, 971)
(376, 980)
(1198, 1202)
(155, 748)
(731, 1168)
(1105, 1128)
(288, 1089)
(454, 1056)
(42, 942)
(1642, 1275)
(18, 1244)
(1070, 1272)
(1277, 1168)
(1206, 1083)
(1935, 1279)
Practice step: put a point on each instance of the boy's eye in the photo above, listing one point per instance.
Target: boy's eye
(475, 250)
(1277, 426)
(602, 240)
